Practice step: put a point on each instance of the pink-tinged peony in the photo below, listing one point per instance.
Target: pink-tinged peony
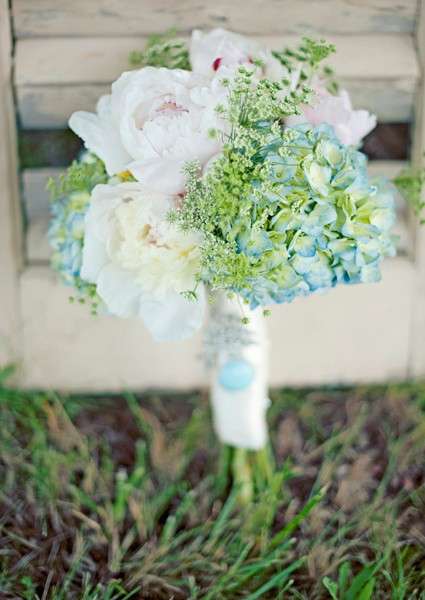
(350, 125)
(153, 122)
(220, 51)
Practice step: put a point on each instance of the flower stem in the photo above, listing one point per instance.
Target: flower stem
(224, 476)
(242, 475)
(263, 467)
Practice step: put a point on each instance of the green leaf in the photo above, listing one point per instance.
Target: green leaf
(277, 581)
(361, 579)
(6, 372)
(367, 591)
(331, 586)
(174, 520)
(81, 176)
(164, 50)
(410, 182)
(298, 519)
(343, 576)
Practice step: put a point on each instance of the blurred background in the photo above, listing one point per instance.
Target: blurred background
(60, 56)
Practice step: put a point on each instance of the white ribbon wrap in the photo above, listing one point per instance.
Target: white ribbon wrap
(239, 415)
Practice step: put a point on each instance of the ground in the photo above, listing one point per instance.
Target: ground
(116, 498)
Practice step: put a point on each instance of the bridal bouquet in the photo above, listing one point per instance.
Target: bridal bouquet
(220, 170)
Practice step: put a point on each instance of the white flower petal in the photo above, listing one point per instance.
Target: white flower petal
(101, 136)
(154, 114)
(119, 291)
(161, 175)
(350, 125)
(141, 262)
(221, 52)
(174, 317)
(94, 257)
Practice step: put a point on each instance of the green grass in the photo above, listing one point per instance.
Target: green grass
(116, 498)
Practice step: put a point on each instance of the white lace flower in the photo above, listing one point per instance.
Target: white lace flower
(154, 121)
(220, 51)
(140, 262)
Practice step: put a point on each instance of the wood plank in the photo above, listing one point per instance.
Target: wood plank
(374, 341)
(10, 224)
(37, 209)
(386, 168)
(55, 77)
(417, 365)
(38, 250)
(403, 227)
(65, 61)
(35, 196)
(86, 347)
(391, 101)
(49, 107)
(35, 180)
(126, 17)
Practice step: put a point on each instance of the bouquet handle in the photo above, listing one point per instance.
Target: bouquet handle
(239, 386)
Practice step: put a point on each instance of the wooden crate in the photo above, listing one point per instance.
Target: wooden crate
(57, 56)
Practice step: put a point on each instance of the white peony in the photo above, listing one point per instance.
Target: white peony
(154, 121)
(219, 51)
(350, 125)
(140, 262)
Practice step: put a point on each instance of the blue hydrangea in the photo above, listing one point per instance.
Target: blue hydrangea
(66, 235)
(314, 224)
(71, 194)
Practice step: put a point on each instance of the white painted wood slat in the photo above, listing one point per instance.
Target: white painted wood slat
(10, 223)
(55, 77)
(38, 249)
(417, 358)
(35, 195)
(64, 61)
(37, 209)
(126, 17)
(351, 334)
(49, 107)
(36, 198)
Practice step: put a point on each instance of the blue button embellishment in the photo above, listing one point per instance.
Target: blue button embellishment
(236, 375)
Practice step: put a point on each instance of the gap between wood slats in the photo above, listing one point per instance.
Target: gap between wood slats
(126, 17)
(45, 107)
